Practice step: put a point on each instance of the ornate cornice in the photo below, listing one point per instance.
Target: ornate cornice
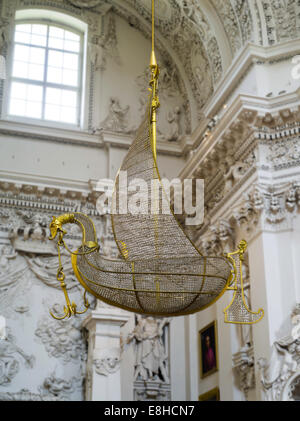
(248, 56)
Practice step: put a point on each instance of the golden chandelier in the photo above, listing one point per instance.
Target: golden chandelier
(161, 272)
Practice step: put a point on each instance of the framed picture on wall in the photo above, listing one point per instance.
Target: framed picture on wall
(208, 350)
(212, 396)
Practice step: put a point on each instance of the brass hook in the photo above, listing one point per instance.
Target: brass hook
(70, 309)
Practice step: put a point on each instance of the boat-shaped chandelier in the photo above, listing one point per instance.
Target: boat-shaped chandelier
(160, 272)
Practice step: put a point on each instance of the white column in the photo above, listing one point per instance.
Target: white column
(178, 363)
(193, 357)
(296, 256)
(104, 354)
(228, 344)
(273, 288)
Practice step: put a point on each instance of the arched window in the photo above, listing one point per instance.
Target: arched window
(46, 72)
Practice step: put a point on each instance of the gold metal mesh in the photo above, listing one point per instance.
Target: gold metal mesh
(238, 312)
(169, 286)
(162, 272)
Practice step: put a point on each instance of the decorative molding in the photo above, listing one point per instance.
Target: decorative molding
(243, 362)
(151, 391)
(86, 4)
(105, 46)
(59, 389)
(62, 341)
(10, 356)
(280, 376)
(240, 66)
(25, 395)
(108, 361)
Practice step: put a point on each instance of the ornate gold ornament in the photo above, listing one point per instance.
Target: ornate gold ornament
(161, 273)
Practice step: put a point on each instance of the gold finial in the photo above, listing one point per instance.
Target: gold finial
(153, 62)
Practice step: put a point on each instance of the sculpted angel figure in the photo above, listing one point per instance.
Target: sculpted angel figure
(116, 119)
(151, 358)
(174, 121)
(283, 363)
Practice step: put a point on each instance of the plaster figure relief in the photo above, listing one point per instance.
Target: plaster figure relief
(151, 358)
(11, 357)
(284, 364)
(174, 125)
(200, 68)
(117, 118)
(59, 388)
(61, 340)
(14, 281)
(105, 46)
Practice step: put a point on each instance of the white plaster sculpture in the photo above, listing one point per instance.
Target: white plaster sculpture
(151, 358)
(284, 362)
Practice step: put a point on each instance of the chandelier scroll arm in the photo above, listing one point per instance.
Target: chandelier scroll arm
(56, 228)
(238, 312)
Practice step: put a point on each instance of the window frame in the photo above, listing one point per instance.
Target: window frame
(44, 84)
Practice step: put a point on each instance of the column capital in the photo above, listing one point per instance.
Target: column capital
(106, 316)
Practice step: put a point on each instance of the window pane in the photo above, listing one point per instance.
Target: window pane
(22, 53)
(70, 77)
(69, 98)
(17, 107)
(18, 90)
(23, 28)
(52, 112)
(53, 96)
(35, 93)
(20, 69)
(26, 99)
(37, 55)
(70, 61)
(22, 37)
(34, 109)
(39, 29)
(54, 75)
(28, 92)
(56, 32)
(38, 40)
(68, 115)
(56, 43)
(55, 58)
(71, 36)
(72, 46)
(36, 72)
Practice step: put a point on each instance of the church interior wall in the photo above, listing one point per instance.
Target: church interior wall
(249, 161)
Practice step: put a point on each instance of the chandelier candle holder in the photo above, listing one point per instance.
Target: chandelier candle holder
(160, 272)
